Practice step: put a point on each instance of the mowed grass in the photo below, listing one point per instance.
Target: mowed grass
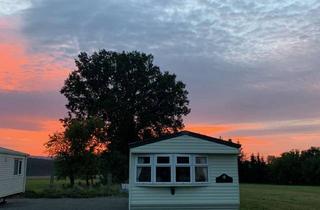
(38, 184)
(252, 196)
(279, 197)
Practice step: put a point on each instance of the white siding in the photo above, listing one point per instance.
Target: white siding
(185, 144)
(10, 183)
(212, 196)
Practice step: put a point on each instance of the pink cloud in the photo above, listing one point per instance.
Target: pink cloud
(21, 69)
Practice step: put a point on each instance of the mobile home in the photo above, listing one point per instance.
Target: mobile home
(12, 172)
(184, 170)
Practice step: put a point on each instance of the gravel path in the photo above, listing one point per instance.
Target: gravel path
(106, 203)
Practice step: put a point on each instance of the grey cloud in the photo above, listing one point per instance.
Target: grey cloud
(31, 105)
(20, 124)
(282, 130)
(242, 97)
(229, 28)
(241, 61)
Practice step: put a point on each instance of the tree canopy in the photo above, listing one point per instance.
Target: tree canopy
(75, 149)
(114, 99)
(293, 167)
(129, 93)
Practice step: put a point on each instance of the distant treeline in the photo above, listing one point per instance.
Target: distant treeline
(39, 166)
(294, 167)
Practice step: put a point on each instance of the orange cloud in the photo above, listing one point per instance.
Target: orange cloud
(21, 69)
(273, 144)
(249, 144)
(209, 129)
(29, 141)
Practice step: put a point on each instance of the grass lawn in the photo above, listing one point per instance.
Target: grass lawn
(39, 184)
(270, 197)
(252, 196)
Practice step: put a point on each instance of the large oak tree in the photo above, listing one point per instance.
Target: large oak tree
(129, 93)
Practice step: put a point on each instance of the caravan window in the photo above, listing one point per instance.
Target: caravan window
(163, 169)
(183, 168)
(143, 169)
(17, 167)
(172, 169)
(201, 169)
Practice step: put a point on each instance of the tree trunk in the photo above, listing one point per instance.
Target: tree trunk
(51, 179)
(109, 179)
(71, 177)
(91, 180)
(87, 180)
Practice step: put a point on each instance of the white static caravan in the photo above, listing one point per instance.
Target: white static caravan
(12, 172)
(182, 171)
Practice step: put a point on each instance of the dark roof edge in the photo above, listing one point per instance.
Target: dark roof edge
(6, 151)
(189, 133)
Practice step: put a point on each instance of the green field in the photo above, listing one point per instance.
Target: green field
(271, 197)
(253, 196)
(39, 184)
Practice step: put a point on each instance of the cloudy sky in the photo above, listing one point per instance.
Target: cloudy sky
(251, 67)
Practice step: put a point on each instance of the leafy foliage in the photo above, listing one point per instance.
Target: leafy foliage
(41, 188)
(131, 96)
(294, 167)
(113, 163)
(74, 149)
(114, 99)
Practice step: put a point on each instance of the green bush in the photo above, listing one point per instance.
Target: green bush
(77, 191)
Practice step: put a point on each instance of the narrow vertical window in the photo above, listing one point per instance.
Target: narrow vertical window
(163, 168)
(20, 167)
(183, 169)
(16, 167)
(201, 169)
(143, 171)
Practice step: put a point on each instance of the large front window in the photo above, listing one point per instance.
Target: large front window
(171, 168)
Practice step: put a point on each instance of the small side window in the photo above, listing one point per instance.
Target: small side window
(16, 167)
(20, 167)
(17, 170)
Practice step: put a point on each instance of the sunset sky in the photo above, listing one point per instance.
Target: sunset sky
(252, 68)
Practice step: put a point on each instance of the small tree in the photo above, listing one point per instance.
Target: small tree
(74, 150)
(66, 165)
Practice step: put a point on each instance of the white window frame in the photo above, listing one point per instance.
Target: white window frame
(200, 165)
(172, 164)
(183, 165)
(19, 167)
(156, 164)
(150, 164)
